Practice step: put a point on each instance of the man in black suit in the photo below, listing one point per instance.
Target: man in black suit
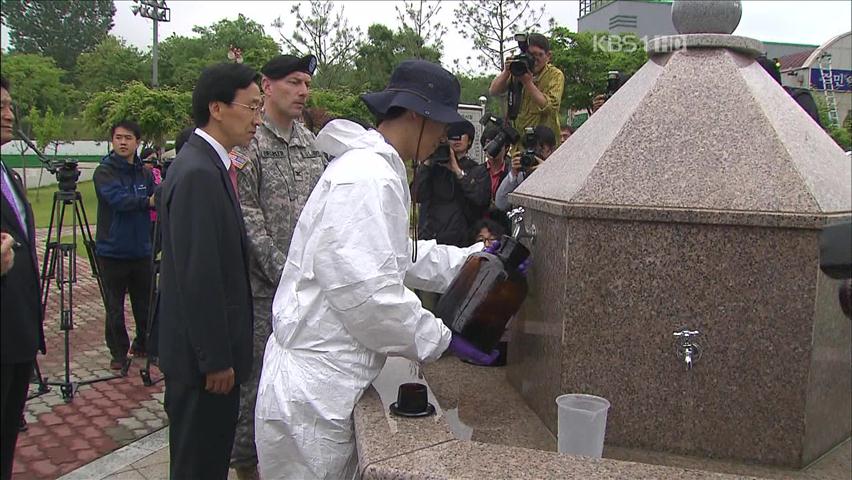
(205, 298)
(21, 333)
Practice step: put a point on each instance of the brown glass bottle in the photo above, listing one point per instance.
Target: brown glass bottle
(485, 294)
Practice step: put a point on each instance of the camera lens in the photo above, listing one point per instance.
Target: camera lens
(495, 145)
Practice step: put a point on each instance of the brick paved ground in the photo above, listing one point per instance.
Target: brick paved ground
(102, 416)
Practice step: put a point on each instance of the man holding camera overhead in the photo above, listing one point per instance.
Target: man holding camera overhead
(542, 84)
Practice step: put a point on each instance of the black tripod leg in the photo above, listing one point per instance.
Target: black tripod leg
(40, 381)
(49, 261)
(153, 304)
(89, 242)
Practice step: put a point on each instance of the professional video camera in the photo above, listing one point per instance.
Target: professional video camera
(530, 144)
(506, 136)
(613, 82)
(523, 62)
(65, 169)
(519, 65)
(66, 173)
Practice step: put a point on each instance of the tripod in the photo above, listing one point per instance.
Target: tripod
(60, 264)
(153, 304)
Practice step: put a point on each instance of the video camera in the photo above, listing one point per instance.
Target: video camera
(66, 173)
(614, 80)
(530, 144)
(506, 136)
(519, 65)
(65, 169)
(523, 62)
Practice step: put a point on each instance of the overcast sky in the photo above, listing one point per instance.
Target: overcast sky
(809, 22)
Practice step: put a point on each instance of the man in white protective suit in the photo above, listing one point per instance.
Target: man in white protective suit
(341, 307)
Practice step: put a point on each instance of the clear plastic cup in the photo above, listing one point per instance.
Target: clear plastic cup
(582, 424)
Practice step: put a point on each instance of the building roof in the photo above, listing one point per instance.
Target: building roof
(813, 59)
(791, 44)
(795, 60)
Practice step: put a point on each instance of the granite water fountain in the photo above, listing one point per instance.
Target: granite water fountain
(676, 274)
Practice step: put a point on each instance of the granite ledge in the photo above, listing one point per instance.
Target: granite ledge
(670, 43)
(425, 448)
(678, 215)
(474, 460)
(377, 438)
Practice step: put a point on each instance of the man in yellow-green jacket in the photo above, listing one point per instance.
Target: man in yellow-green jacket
(542, 92)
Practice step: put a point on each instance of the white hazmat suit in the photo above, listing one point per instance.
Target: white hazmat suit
(341, 307)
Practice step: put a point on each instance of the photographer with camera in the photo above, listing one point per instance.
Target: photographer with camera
(614, 80)
(495, 145)
(539, 143)
(453, 190)
(541, 82)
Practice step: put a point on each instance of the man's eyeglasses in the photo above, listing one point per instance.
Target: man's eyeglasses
(255, 109)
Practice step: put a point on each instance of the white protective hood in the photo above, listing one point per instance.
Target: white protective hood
(341, 307)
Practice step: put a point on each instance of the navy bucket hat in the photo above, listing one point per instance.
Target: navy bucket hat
(422, 87)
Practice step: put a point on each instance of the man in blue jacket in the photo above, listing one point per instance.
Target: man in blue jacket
(123, 244)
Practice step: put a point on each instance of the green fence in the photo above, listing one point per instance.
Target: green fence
(18, 161)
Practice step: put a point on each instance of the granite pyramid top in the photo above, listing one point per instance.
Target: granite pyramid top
(701, 128)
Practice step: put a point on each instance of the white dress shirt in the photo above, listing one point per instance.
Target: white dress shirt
(223, 154)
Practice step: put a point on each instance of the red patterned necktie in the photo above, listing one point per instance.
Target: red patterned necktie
(232, 173)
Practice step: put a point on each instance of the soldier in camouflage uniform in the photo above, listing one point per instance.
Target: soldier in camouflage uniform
(276, 174)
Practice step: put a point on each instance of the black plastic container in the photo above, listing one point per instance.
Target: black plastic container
(485, 294)
(412, 401)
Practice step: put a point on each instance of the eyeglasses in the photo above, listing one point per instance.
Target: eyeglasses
(255, 109)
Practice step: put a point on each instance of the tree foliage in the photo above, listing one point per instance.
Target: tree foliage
(339, 103)
(842, 135)
(420, 17)
(475, 86)
(47, 128)
(383, 51)
(585, 60)
(160, 113)
(244, 33)
(36, 82)
(492, 25)
(325, 33)
(61, 30)
(183, 58)
(111, 64)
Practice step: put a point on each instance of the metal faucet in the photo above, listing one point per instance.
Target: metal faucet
(686, 346)
(519, 228)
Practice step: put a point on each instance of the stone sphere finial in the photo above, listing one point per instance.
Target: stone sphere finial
(706, 16)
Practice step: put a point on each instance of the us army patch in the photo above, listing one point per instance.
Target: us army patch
(238, 159)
